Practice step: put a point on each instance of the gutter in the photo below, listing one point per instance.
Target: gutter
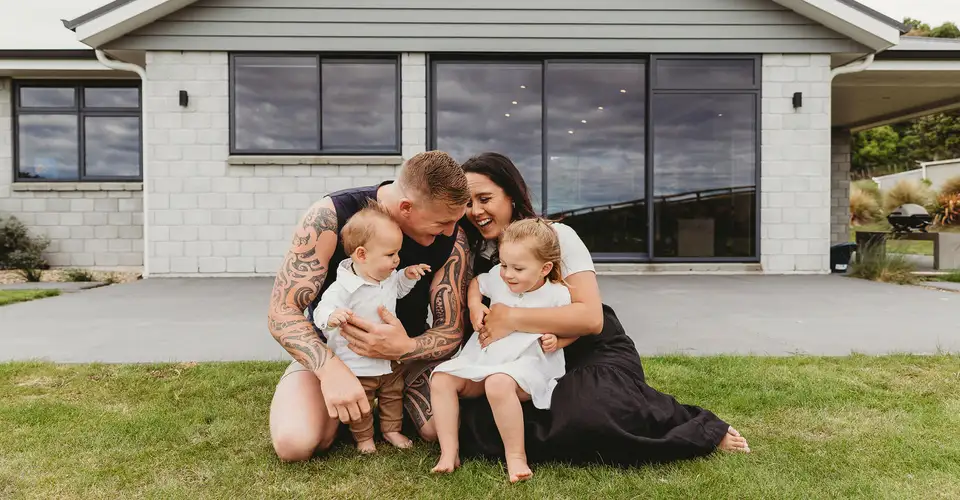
(853, 67)
(144, 128)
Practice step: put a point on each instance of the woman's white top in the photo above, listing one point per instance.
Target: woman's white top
(519, 354)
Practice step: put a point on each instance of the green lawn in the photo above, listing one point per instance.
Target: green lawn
(12, 296)
(866, 427)
(906, 247)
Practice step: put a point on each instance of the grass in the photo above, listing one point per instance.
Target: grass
(952, 276)
(868, 427)
(13, 296)
(903, 246)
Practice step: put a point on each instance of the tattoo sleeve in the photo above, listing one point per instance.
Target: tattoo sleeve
(448, 296)
(298, 282)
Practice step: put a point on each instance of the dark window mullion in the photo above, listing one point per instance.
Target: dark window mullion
(319, 104)
(544, 159)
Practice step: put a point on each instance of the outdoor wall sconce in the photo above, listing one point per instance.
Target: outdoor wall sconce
(185, 99)
(797, 99)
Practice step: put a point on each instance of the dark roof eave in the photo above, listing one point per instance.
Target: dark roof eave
(93, 14)
(48, 54)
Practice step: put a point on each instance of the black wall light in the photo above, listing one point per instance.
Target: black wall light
(797, 99)
(185, 99)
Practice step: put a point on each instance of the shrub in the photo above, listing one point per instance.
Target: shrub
(951, 187)
(864, 208)
(908, 191)
(946, 211)
(78, 275)
(877, 265)
(868, 187)
(19, 250)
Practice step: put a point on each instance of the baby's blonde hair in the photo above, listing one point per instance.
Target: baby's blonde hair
(362, 225)
(542, 240)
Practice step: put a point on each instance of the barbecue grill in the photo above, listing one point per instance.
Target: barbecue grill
(909, 217)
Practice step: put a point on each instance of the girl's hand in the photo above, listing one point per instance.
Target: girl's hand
(339, 317)
(477, 316)
(496, 325)
(416, 272)
(548, 342)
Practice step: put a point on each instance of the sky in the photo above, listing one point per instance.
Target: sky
(932, 12)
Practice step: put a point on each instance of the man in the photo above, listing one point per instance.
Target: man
(318, 392)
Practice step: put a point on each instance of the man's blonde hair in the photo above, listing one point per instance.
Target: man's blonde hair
(436, 176)
(362, 225)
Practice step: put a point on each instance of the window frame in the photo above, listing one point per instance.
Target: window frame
(81, 112)
(320, 57)
(650, 61)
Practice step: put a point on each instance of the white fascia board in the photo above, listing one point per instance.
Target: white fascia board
(848, 21)
(126, 18)
(917, 65)
(12, 65)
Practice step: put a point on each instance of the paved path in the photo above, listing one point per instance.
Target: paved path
(225, 319)
(64, 287)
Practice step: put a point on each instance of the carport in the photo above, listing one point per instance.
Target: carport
(917, 77)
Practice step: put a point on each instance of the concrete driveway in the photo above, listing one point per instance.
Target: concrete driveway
(225, 318)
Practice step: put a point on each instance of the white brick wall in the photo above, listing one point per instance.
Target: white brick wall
(840, 187)
(211, 214)
(795, 170)
(89, 224)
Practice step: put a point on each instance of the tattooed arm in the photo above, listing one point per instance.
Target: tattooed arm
(448, 298)
(298, 283)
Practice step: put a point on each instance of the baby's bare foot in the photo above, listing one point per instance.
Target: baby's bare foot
(397, 439)
(733, 441)
(447, 464)
(517, 468)
(367, 447)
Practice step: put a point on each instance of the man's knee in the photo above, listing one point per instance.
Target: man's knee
(300, 447)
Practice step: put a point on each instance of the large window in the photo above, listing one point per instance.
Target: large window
(308, 104)
(77, 132)
(647, 158)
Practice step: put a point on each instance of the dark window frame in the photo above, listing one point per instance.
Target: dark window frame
(378, 58)
(81, 112)
(650, 61)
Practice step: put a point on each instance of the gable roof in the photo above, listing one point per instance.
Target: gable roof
(847, 17)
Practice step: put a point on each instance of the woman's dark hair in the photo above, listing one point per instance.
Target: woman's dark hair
(499, 169)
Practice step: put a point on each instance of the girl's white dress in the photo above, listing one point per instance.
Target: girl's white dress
(518, 354)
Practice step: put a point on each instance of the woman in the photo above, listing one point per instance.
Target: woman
(602, 409)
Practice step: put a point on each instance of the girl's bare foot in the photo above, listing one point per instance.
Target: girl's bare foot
(447, 464)
(517, 468)
(397, 439)
(733, 441)
(367, 447)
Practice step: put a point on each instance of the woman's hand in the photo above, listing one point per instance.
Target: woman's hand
(497, 324)
(477, 314)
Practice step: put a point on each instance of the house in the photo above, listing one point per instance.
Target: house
(689, 134)
(936, 172)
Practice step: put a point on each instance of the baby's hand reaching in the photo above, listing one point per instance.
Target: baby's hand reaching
(339, 317)
(416, 272)
(548, 342)
(477, 315)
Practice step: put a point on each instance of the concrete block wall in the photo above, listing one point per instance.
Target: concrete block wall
(841, 150)
(795, 186)
(212, 214)
(90, 224)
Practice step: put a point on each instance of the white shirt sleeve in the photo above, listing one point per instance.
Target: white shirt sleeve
(404, 284)
(574, 255)
(333, 298)
(487, 283)
(562, 296)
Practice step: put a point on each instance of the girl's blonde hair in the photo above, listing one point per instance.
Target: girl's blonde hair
(543, 241)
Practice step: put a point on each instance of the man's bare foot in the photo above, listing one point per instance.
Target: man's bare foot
(367, 447)
(397, 439)
(447, 464)
(733, 441)
(517, 468)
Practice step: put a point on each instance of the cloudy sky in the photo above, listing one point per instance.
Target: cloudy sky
(932, 12)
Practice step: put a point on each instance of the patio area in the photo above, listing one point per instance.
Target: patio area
(225, 319)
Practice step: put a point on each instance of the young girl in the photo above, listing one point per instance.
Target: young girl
(519, 367)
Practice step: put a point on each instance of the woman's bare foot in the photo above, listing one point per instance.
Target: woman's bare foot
(517, 468)
(447, 464)
(367, 447)
(397, 439)
(733, 441)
